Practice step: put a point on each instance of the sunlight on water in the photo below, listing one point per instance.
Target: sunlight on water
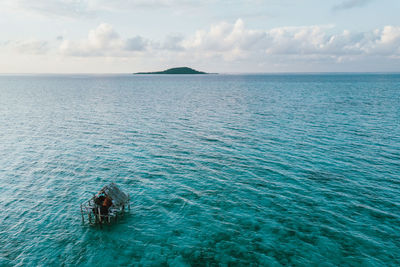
(257, 169)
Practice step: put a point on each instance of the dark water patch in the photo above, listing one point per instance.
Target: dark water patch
(325, 177)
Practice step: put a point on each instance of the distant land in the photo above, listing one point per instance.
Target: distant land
(181, 70)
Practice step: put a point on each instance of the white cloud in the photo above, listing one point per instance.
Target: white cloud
(390, 35)
(231, 43)
(88, 8)
(297, 40)
(31, 46)
(132, 4)
(348, 4)
(235, 41)
(64, 8)
(173, 42)
(385, 42)
(136, 43)
(103, 41)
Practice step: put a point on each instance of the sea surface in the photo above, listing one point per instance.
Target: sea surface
(222, 170)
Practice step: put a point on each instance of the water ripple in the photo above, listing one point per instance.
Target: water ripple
(256, 170)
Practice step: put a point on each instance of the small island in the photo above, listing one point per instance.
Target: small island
(181, 70)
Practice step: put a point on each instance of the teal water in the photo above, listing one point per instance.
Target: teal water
(222, 169)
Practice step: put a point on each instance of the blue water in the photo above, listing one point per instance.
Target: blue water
(222, 169)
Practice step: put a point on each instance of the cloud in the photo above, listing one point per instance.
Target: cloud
(230, 44)
(385, 42)
(60, 8)
(348, 4)
(132, 4)
(235, 42)
(103, 41)
(31, 46)
(231, 41)
(88, 8)
(173, 42)
(136, 43)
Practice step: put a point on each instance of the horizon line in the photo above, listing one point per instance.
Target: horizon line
(208, 73)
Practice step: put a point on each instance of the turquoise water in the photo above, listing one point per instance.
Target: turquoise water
(222, 169)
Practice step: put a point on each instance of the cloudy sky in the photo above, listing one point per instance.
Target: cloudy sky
(123, 36)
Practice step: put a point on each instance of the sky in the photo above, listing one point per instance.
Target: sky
(224, 36)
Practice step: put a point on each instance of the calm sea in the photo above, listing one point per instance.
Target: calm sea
(222, 169)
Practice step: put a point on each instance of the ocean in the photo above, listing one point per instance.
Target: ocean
(222, 170)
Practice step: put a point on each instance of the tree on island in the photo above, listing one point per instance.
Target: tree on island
(181, 70)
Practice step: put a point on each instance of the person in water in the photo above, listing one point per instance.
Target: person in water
(100, 199)
(107, 203)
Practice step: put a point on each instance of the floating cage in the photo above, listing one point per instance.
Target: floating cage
(105, 206)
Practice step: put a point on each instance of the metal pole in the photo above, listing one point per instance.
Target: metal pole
(101, 227)
(83, 218)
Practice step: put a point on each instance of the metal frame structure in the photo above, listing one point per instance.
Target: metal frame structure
(93, 210)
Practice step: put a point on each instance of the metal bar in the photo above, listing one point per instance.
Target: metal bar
(83, 218)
